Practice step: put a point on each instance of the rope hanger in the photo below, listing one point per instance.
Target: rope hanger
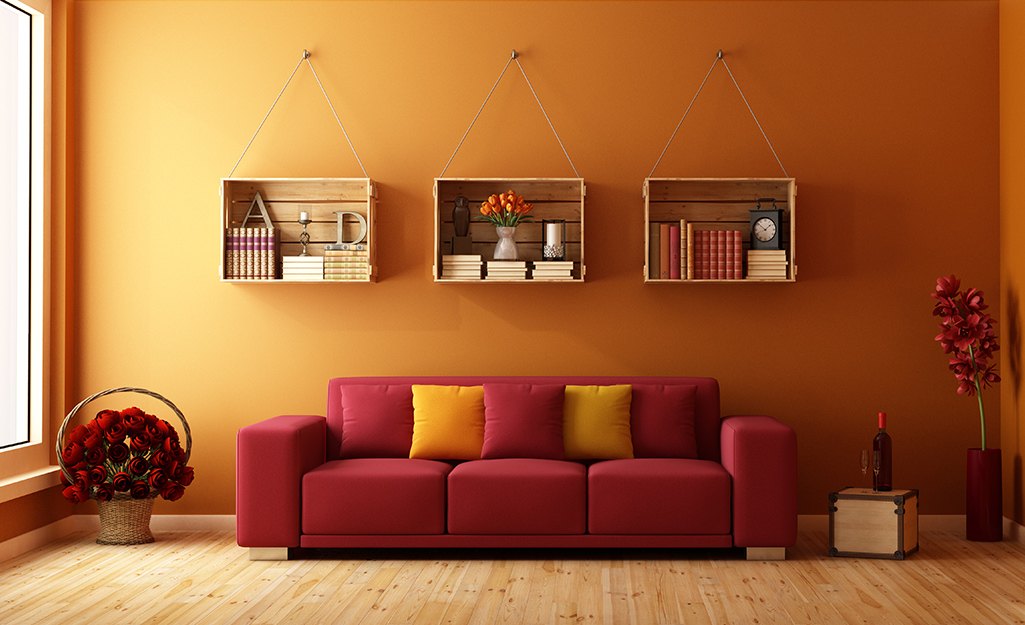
(305, 57)
(718, 58)
(513, 57)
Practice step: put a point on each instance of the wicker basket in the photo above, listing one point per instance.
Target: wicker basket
(124, 520)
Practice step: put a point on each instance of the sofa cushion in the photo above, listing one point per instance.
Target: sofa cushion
(448, 422)
(596, 422)
(658, 496)
(377, 421)
(523, 421)
(517, 496)
(375, 496)
(662, 421)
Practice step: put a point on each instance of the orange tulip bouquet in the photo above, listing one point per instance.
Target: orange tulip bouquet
(506, 210)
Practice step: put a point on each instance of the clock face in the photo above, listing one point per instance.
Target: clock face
(764, 229)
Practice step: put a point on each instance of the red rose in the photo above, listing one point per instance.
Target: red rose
(141, 441)
(75, 494)
(95, 439)
(186, 477)
(172, 491)
(132, 412)
(64, 480)
(139, 490)
(150, 419)
(118, 452)
(138, 466)
(73, 454)
(95, 455)
(174, 470)
(116, 432)
(160, 459)
(158, 431)
(157, 479)
(134, 423)
(98, 475)
(78, 435)
(81, 479)
(106, 418)
(122, 482)
(104, 492)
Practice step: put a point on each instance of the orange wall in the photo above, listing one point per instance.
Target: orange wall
(1012, 251)
(884, 112)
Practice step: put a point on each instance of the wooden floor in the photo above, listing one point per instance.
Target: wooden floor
(205, 578)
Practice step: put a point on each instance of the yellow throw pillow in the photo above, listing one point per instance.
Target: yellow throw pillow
(448, 422)
(596, 422)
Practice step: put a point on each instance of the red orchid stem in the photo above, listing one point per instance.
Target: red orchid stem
(978, 393)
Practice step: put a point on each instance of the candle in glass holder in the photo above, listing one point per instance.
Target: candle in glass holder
(553, 234)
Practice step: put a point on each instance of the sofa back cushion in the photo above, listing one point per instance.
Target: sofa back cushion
(448, 422)
(662, 420)
(377, 421)
(706, 400)
(523, 421)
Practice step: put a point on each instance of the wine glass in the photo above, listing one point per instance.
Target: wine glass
(878, 457)
(864, 467)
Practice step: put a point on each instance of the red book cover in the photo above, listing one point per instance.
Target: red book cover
(674, 251)
(665, 256)
(713, 256)
(720, 259)
(729, 255)
(699, 254)
(738, 255)
(706, 255)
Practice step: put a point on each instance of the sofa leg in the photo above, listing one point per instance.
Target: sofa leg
(268, 553)
(766, 553)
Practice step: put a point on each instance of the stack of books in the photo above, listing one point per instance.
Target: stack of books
(250, 253)
(714, 254)
(767, 264)
(461, 266)
(552, 270)
(347, 261)
(302, 268)
(507, 270)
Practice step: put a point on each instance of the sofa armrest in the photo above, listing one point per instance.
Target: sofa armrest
(272, 457)
(760, 453)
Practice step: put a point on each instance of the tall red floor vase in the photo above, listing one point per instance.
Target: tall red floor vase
(984, 515)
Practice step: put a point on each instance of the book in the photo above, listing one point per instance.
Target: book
(336, 247)
(683, 249)
(674, 252)
(664, 254)
(653, 251)
(353, 277)
(690, 252)
(337, 265)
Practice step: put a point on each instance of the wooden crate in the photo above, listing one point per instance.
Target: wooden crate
(873, 524)
(724, 202)
(285, 198)
(553, 198)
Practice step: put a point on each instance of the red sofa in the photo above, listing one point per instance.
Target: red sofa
(345, 480)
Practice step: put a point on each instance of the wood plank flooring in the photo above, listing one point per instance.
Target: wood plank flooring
(203, 577)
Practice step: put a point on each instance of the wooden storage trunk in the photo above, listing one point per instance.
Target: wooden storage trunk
(873, 524)
(717, 204)
(285, 198)
(553, 198)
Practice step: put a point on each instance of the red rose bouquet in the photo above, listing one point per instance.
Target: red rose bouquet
(968, 337)
(127, 452)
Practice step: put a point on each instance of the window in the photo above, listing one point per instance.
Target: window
(15, 212)
(26, 442)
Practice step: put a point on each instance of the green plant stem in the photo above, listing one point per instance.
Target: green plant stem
(978, 393)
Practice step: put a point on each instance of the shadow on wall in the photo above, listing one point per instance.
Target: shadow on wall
(1014, 345)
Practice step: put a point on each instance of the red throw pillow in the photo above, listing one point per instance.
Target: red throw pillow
(523, 421)
(377, 421)
(662, 420)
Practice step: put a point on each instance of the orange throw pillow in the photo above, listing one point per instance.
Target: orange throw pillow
(596, 422)
(448, 422)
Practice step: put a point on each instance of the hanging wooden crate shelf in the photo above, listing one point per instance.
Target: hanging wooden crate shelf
(701, 229)
(285, 199)
(553, 199)
(716, 204)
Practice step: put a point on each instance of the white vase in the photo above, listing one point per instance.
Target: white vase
(505, 249)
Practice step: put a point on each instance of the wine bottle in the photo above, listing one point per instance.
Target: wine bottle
(881, 444)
